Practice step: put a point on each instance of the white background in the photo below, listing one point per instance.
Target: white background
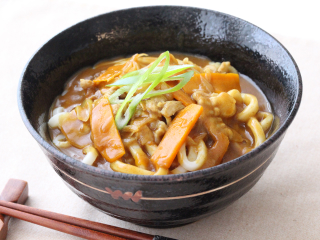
(285, 203)
(290, 18)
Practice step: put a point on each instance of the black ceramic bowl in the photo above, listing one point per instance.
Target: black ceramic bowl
(172, 200)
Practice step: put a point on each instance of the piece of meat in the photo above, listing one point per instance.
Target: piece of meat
(115, 108)
(140, 112)
(218, 105)
(225, 103)
(136, 124)
(203, 99)
(158, 128)
(215, 106)
(86, 83)
(144, 135)
(107, 92)
(224, 67)
(170, 108)
(212, 67)
(151, 105)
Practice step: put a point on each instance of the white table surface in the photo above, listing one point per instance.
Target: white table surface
(284, 204)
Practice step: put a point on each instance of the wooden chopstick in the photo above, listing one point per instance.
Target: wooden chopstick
(72, 225)
(60, 226)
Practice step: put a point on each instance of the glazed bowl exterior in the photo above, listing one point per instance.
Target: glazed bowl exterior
(171, 200)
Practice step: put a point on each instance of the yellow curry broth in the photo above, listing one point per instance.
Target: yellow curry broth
(79, 132)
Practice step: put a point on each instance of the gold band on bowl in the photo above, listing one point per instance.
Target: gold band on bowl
(138, 195)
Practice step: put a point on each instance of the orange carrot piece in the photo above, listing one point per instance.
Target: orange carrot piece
(176, 135)
(181, 96)
(193, 84)
(221, 145)
(221, 82)
(105, 135)
(218, 150)
(224, 82)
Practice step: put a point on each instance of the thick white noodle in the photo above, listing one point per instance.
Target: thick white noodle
(267, 119)
(57, 110)
(198, 162)
(179, 170)
(91, 156)
(258, 133)
(54, 120)
(251, 109)
(61, 142)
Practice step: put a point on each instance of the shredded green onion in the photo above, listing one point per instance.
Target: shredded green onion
(186, 77)
(154, 75)
(115, 96)
(131, 79)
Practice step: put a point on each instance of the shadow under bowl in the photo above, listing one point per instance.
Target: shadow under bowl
(172, 200)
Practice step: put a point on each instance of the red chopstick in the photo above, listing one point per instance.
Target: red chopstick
(72, 225)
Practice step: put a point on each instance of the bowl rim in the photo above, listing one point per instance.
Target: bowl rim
(161, 178)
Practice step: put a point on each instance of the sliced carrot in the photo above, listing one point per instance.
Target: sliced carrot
(105, 135)
(181, 96)
(221, 82)
(176, 135)
(224, 82)
(218, 150)
(193, 84)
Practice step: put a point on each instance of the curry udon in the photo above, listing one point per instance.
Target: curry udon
(155, 115)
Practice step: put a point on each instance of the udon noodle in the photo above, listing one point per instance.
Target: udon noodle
(152, 115)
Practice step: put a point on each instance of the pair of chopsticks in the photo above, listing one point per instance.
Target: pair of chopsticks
(71, 225)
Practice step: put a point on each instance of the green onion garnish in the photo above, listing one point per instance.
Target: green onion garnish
(154, 75)
(131, 79)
